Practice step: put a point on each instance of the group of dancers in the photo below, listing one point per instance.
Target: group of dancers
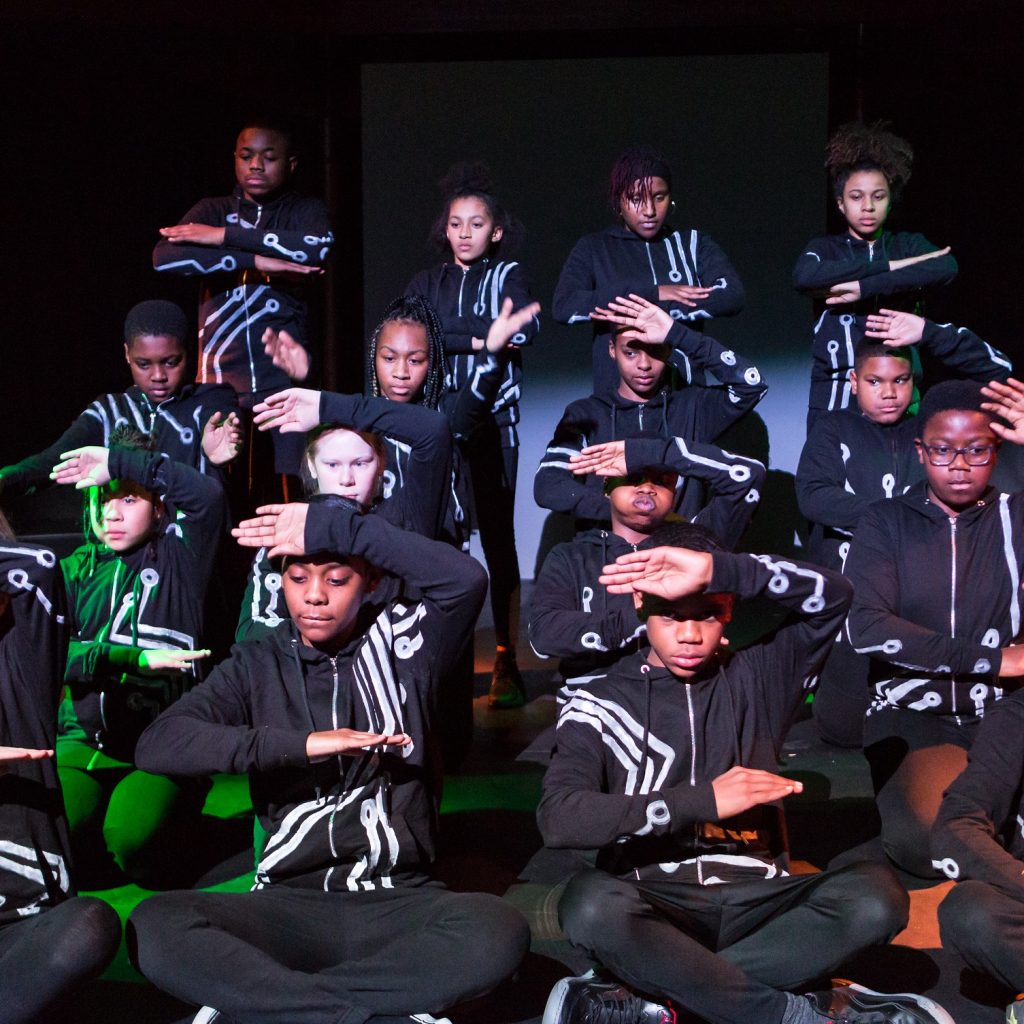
(349, 688)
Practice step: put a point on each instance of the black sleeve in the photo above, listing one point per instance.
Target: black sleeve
(555, 486)
(822, 489)
(560, 627)
(983, 803)
(309, 244)
(199, 260)
(933, 273)
(448, 581)
(577, 812)
(734, 482)
(263, 608)
(816, 270)
(425, 432)
(717, 273)
(210, 728)
(962, 350)
(34, 470)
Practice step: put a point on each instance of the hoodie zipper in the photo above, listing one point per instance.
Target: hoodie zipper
(952, 603)
(693, 779)
(462, 284)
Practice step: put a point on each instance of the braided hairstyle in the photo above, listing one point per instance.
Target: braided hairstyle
(857, 147)
(473, 178)
(413, 309)
(639, 164)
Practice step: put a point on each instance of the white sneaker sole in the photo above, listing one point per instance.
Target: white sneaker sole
(930, 1007)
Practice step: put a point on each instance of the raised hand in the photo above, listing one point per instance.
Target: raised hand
(841, 294)
(739, 789)
(167, 660)
(646, 321)
(286, 353)
(83, 467)
(193, 234)
(288, 411)
(222, 437)
(608, 459)
(507, 324)
(684, 294)
(322, 745)
(895, 328)
(281, 528)
(666, 572)
(1006, 399)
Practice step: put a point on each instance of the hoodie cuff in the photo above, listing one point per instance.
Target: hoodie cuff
(645, 453)
(282, 748)
(687, 804)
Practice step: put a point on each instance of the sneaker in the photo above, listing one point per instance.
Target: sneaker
(507, 690)
(854, 1004)
(588, 1000)
(207, 1015)
(1015, 1011)
(425, 1018)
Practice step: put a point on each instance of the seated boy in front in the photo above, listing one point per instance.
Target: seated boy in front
(667, 768)
(331, 717)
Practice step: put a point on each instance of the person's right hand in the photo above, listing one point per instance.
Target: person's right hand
(83, 467)
(667, 572)
(167, 660)
(739, 789)
(274, 265)
(645, 321)
(1012, 664)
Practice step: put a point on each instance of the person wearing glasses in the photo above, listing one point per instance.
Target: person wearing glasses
(937, 606)
(860, 455)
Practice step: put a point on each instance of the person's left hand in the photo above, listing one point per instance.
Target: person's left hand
(222, 437)
(286, 353)
(608, 459)
(281, 528)
(195, 234)
(83, 467)
(842, 294)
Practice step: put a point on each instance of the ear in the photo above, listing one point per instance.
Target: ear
(920, 451)
(611, 348)
(127, 355)
(372, 581)
(293, 163)
(853, 382)
(312, 470)
(497, 233)
(638, 600)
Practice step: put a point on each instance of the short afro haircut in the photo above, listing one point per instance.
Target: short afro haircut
(949, 396)
(873, 348)
(155, 316)
(681, 534)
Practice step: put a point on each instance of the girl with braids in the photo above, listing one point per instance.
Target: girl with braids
(135, 602)
(852, 274)
(473, 233)
(683, 271)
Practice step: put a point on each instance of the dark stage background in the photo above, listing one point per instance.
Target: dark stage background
(116, 121)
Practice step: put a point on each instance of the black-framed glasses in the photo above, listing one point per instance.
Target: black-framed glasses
(946, 454)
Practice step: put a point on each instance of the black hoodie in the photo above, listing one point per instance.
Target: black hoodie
(35, 858)
(467, 301)
(177, 423)
(639, 749)
(241, 302)
(835, 259)
(693, 414)
(352, 822)
(937, 597)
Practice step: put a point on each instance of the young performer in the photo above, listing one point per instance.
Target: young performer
(331, 717)
(858, 456)
(193, 423)
(684, 271)
(936, 574)
(50, 940)
(135, 598)
(473, 234)
(851, 274)
(642, 404)
(257, 251)
(572, 616)
(667, 766)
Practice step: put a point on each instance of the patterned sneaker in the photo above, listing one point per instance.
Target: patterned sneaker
(507, 689)
(1015, 1011)
(588, 1000)
(854, 1004)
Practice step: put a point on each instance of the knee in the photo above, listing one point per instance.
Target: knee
(966, 920)
(496, 937)
(878, 906)
(907, 843)
(157, 927)
(87, 941)
(592, 907)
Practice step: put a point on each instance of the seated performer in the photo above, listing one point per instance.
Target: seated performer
(50, 940)
(854, 457)
(667, 766)
(936, 575)
(572, 616)
(193, 423)
(642, 404)
(331, 717)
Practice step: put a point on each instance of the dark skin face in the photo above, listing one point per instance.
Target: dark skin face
(957, 486)
(324, 596)
(158, 364)
(884, 386)
(686, 635)
(263, 163)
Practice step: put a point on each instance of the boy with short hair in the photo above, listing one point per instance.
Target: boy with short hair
(255, 249)
(331, 717)
(668, 767)
(644, 405)
(571, 615)
(196, 424)
(855, 457)
(936, 574)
